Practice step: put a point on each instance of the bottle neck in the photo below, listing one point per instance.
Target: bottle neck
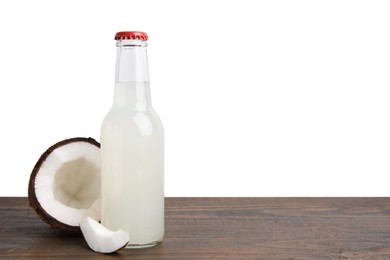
(131, 61)
(132, 95)
(132, 76)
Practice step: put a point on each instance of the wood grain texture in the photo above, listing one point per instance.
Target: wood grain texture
(224, 228)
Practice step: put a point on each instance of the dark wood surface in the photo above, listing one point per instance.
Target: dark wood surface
(224, 228)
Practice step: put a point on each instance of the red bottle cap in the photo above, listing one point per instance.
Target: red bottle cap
(131, 36)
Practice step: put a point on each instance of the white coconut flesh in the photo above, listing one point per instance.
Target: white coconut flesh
(67, 184)
(100, 239)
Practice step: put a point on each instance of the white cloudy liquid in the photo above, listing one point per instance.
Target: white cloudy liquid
(132, 166)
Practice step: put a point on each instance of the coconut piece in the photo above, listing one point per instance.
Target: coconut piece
(102, 240)
(64, 186)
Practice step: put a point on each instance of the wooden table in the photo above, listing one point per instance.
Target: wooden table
(224, 228)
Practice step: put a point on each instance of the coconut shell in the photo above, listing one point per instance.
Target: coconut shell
(33, 200)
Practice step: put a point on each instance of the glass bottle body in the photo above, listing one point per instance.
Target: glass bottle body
(132, 146)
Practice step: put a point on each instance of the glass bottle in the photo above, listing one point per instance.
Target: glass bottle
(132, 147)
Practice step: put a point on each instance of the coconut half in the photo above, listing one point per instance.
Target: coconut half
(64, 186)
(102, 240)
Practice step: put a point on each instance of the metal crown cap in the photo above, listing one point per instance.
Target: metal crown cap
(131, 35)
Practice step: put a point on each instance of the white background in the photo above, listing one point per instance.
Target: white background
(258, 98)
